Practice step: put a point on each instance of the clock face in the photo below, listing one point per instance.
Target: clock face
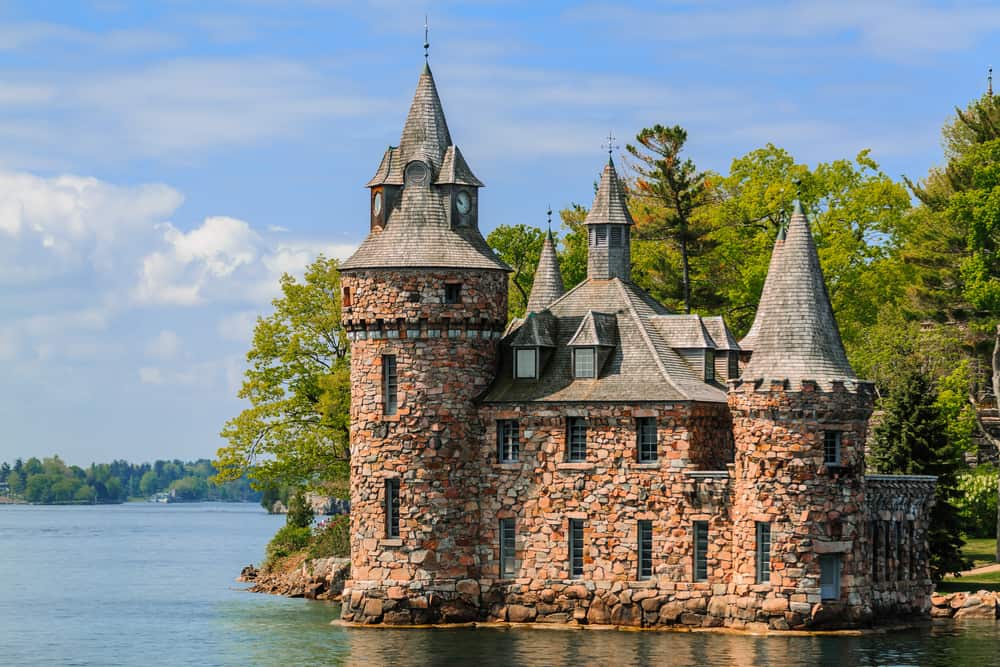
(377, 203)
(463, 202)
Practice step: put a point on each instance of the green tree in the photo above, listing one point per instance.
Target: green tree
(149, 484)
(912, 439)
(670, 190)
(300, 513)
(520, 247)
(573, 257)
(298, 384)
(16, 482)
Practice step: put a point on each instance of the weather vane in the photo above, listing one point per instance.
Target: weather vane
(989, 83)
(427, 43)
(549, 213)
(611, 145)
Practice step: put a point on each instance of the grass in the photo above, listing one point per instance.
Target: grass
(982, 551)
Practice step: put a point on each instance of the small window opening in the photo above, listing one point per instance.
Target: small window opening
(616, 237)
(584, 363)
(829, 576)
(646, 433)
(576, 439)
(709, 365)
(392, 508)
(701, 551)
(734, 365)
(763, 552)
(390, 385)
(831, 448)
(576, 547)
(346, 300)
(645, 549)
(453, 293)
(525, 363)
(507, 535)
(508, 440)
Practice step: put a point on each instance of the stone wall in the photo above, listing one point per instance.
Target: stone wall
(813, 509)
(445, 357)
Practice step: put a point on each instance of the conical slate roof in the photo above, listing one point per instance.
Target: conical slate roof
(548, 285)
(772, 271)
(798, 338)
(418, 232)
(609, 202)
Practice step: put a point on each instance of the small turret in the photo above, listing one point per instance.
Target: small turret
(608, 224)
(548, 285)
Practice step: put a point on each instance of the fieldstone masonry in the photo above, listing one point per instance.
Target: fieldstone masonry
(846, 549)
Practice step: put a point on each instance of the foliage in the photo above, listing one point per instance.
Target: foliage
(51, 481)
(287, 541)
(295, 431)
(573, 258)
(331, 538)
(520, 247)
(958, 413)
(976, 501)
(911, 439)
(669, 191)
(300, 513)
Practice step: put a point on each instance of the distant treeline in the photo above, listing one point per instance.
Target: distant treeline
(51, 481)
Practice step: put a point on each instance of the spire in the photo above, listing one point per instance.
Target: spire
(797, 336)
(548, 285)
(608, 221)
(750, 339)
(425, 133)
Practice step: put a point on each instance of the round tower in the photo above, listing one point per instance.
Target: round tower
(424, 305)
(799, 421)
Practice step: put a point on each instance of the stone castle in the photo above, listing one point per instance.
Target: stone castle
(602, 460)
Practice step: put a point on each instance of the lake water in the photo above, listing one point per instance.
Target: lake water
(145, 584)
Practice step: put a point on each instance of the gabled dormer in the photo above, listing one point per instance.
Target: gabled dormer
(592, 344)
(531, 344)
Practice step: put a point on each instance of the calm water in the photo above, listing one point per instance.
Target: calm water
(153, 585)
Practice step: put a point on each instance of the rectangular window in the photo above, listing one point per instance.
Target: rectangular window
(831, 448)
(709, 365)
(507, 568)
(576, 439)
(453, 293)
(763, 552)
(346, 301)
(525, 363)
(645, 549)
(576, 547)
(829, 576)
(583, 363)
(646, 435)
(602, 235)
(700, 550)
(392, 508)
(508, 440)
(734, 365)
(616, 237)
(390, 385)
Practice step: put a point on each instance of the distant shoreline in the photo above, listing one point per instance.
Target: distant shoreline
(131, 501)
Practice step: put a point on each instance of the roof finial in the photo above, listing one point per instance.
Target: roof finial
(427, 43)
(989, 83)
(611, 145)
(549, 214)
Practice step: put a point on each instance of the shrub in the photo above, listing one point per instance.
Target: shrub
(977, 501)
(287, 541)
(300, 514)
(331, 537)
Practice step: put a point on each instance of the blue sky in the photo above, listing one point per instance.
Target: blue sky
(161, 164)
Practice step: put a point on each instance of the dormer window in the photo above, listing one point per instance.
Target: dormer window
(709, 365)
(584, 362)
(525, 363)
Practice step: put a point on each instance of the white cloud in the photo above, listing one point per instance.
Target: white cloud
(52, 226)
(166, 345)
(237, 327)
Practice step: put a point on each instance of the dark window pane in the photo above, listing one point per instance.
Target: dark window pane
(390, 385)
(700, 550)
(831, 447)
(453, 293)
(646, 427)
(829, 577)
(645, 549)
(734, 365)
(576, 439)
(507, 567)
(392, 508)
(576, 547)
(763, 552)
(709, 365)
(508, 440)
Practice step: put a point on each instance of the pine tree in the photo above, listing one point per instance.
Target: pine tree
(912, 439)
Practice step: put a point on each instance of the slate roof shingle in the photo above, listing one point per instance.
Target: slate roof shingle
(609, 207)
(548, 285)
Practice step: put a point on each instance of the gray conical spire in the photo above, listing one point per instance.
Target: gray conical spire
(548, 285)
(797, 338)
(608, 222)
(425, 133)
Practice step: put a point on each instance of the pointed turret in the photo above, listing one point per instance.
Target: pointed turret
(425, 133)
(608, 223)
(548, 285)
(798, 338)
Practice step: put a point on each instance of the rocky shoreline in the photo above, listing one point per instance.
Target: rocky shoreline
(300, 577)
(982, 604)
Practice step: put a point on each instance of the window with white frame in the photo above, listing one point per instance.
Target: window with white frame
(647, 439)
(584, 362)
(831, 448)
(508, 440)
(525, 363)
